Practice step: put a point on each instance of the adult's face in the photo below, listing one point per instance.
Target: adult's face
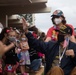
(62, 38)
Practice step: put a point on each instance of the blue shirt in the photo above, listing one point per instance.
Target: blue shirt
(51, 49)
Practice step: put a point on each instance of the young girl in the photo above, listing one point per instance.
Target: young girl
(24, 54)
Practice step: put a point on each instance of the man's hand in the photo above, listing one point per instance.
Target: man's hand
(70, 53)
(25, 25)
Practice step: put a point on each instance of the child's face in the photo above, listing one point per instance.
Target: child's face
(23, 36)
(12, 34)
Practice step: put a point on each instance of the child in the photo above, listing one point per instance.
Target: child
(11, 58)
(24, 54)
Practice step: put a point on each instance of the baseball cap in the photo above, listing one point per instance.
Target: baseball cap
(57, 13)
(64, 29)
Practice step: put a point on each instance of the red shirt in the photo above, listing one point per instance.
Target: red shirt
(53, 34)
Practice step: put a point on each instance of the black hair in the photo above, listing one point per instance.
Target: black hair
(42, 36)
(63, 21)
(2, 34)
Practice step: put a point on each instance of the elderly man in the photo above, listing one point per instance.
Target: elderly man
(60, 56)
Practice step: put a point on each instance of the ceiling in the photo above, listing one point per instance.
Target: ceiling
(9, 7)
(23, 6)
(20, 2)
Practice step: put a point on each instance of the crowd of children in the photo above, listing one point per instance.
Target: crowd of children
(20, 57)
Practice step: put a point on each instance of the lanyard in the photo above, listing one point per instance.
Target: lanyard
(61, 55)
